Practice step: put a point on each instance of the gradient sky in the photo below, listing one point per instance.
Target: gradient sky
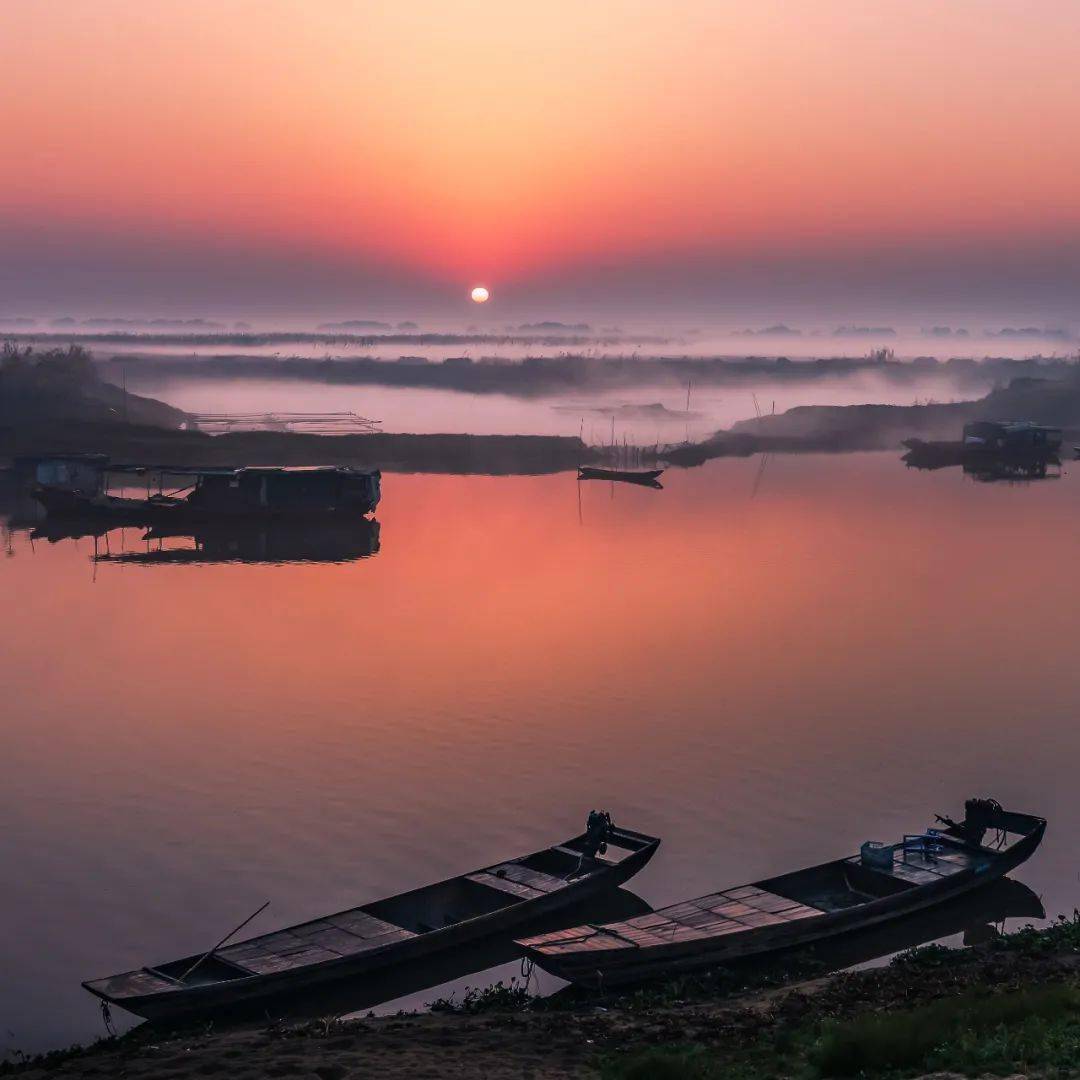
(697, 154)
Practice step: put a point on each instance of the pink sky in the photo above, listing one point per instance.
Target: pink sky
(346, 153)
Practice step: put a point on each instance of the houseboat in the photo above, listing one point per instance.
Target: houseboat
(1011, 437)
(220, 494)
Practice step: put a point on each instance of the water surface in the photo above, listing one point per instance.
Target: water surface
(764, 667)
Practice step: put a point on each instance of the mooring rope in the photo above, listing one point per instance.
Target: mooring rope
(106, 1016)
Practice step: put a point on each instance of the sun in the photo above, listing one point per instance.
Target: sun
(480, 295)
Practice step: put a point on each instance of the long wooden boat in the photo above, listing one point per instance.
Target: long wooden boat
(882, 883)
(648, 477)
(374, 938)
(411, 979)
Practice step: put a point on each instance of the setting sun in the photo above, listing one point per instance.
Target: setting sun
(479, 295)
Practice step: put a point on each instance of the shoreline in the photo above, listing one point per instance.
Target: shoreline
(497, 455)
(807, 1025)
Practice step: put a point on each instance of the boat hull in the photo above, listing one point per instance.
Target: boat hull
(627, 966)
(60, 503)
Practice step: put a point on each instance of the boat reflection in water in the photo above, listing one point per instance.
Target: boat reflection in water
(988, 470)
(279, 541)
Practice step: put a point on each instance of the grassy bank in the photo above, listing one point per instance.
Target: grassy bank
(1010, 1006)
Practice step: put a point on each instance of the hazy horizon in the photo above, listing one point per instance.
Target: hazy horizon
(313, 161)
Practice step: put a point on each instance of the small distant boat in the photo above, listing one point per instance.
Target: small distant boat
(376, 937)
(882, 883)
(647, 477)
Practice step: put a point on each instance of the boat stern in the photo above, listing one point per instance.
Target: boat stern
(131, 989)
(566, 953)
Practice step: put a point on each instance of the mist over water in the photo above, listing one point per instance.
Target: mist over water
(663, 403)
(590, 415)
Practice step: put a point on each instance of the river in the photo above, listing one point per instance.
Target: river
(764, 663)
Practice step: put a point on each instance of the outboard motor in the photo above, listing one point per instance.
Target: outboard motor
(597, 830)
(980, 815)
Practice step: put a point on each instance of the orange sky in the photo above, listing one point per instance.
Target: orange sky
(509, 141)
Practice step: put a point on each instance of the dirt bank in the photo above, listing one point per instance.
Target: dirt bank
(837, 428)
(801, 1028)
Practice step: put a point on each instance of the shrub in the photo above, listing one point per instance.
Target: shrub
(984, 1032)
(691, 1063)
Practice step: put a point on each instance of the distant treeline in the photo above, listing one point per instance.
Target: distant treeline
(283, 337)
(539, 376)
(61, 385)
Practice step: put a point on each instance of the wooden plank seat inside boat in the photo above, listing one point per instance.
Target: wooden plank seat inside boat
(520, 880)
(538, 875)
(383, 923)
(727, 912)
(329, 938)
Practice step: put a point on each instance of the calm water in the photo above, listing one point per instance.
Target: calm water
(764, 667)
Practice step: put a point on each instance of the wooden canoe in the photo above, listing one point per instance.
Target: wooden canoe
(376, 937)
(792, 910)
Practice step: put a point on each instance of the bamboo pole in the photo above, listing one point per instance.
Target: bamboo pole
(206, 955)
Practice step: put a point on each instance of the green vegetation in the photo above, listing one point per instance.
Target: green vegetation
(974, 1033)
(1060, 937)
(30, 371)
(691, 1063)
(47, 386)
(1010, 1005)
(501, 997)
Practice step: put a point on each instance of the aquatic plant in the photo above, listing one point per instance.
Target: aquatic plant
(501, 997)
